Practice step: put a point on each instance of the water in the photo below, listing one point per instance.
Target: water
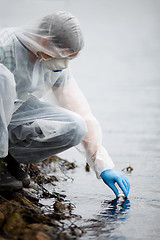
(118, 71)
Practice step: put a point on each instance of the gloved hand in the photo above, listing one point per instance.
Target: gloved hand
(110, 177)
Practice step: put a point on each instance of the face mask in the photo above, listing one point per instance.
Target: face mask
(55, 64)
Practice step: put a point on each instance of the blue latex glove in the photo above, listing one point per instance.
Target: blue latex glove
(110, 177)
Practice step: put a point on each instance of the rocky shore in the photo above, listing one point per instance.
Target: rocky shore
(24, 217)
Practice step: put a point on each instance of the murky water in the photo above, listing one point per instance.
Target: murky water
(119, 73)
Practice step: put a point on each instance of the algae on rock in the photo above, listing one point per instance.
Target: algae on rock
(22, 217)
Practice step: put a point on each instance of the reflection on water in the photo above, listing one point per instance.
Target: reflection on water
(115, 210)
(113, 213)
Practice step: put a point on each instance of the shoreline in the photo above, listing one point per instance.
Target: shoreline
(23, 217)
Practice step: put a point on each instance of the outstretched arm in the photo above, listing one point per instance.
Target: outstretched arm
(70, 96)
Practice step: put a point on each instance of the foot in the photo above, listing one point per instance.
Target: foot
(9, 183)
(16, 170)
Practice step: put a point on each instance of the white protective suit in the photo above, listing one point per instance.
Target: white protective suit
(27, 79)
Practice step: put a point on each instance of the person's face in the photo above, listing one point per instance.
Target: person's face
(58, 63)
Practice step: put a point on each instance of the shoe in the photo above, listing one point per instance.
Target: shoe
(9, 183)
(16, 170)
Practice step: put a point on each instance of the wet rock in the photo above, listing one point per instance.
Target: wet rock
(59, 206)
(41, 236)
(50, 231)
(31, 194)
(43, 227)
(26, 202)
(77, 232)
(128, 169)
(2, 217)
(87, 167)
(14, 222)
(36, 235)
(22, 217)
(65, 236)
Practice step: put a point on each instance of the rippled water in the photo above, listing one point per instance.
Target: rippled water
(104, 216)
(118, 71)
